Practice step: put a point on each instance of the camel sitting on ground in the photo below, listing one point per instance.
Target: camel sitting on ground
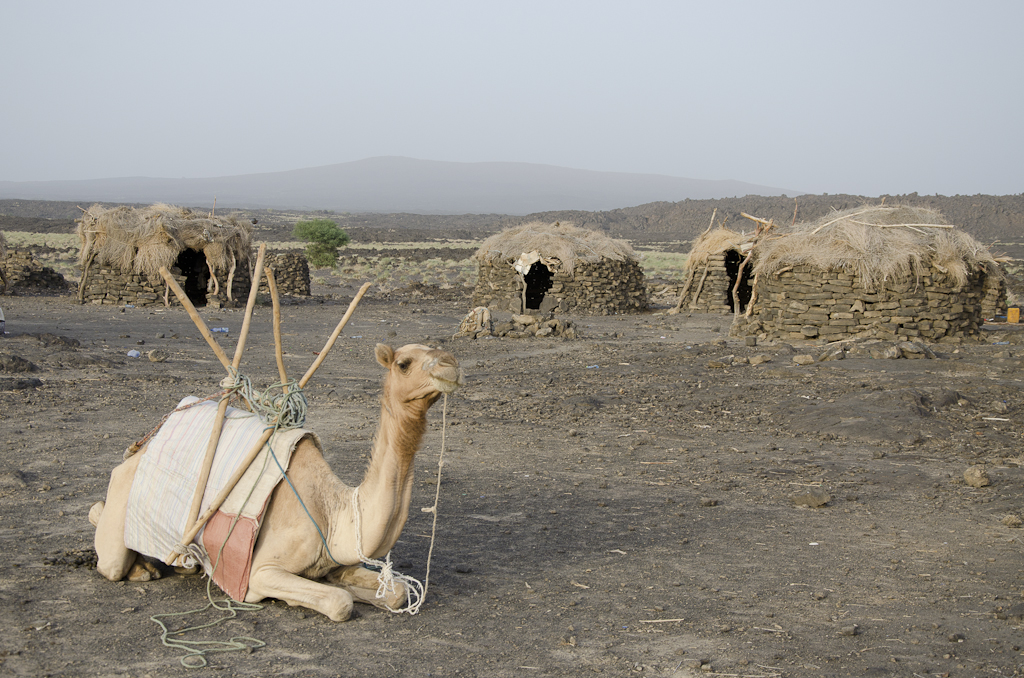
(289, 561)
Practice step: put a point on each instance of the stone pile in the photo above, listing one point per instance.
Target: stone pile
(520, 327)
(803, 302)
(23, 272)
(606, 287)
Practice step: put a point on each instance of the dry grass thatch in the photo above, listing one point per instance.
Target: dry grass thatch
(564, 242)
(142, 240)
(878, 243)
(716, 241)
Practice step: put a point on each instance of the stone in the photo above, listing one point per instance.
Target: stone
(803, 359)
(157, 356)
(1012, 520)
(760, 359)
(976, 476)
(814, 498)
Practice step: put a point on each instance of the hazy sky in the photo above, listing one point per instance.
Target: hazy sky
(855, 97)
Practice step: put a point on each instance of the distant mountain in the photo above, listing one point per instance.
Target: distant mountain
(394, 184)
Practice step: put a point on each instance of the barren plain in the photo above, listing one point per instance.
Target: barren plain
(639, 501)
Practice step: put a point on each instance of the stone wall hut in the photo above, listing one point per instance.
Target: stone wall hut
(885, 272)
(123, 249)
(558, 268)
(713, 268)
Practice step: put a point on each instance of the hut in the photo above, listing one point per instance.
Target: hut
(123, 249)
(886, 272)
(713, 269)
(558, 268)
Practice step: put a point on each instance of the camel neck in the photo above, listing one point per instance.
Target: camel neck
(386, 490)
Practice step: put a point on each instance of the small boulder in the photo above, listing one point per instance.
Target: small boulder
(803, 359)
(157, 356)
(976, 476)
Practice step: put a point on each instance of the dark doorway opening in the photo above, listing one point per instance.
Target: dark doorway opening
(538, 282)
(192, 265)
(733, 259)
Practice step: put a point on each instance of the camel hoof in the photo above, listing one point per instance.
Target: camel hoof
(186, 570)
(143, 571)
(95, 512)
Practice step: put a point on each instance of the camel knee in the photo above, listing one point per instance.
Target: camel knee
(337, 606)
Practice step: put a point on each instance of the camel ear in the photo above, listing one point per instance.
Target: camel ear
(385, 355)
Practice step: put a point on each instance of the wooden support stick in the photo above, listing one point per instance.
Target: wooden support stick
(700, 287)
(278, 349)
(203, 329)
(334, 336)
(247, 320)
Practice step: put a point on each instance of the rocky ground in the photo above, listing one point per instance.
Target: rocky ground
(650, 498)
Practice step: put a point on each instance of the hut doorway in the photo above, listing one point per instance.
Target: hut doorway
(192, 265)
(538, 282)
(733, 259)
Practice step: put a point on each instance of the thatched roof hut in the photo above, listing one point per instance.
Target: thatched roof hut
(885, 271)
(137, 242)
(558, 267)
(712, 270)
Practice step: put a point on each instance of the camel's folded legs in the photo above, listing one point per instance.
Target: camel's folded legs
(272, 581)
(362, 583)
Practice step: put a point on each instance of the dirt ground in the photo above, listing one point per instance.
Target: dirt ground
(631, 502)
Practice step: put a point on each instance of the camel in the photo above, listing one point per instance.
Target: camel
(289, 561)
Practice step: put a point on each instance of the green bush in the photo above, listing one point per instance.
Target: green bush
(324, 238)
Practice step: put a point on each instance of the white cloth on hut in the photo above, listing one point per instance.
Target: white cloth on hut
(168, 474)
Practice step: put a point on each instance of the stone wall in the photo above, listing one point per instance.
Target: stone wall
(23, 272)
(291, 272)
(807, 303)
(603, 288)
(107, 286)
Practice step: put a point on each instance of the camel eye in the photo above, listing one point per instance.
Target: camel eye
(404, 364)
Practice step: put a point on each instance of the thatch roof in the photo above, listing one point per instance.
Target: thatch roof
(141, 240)
(564, 242)
(716, 241)
(878, 243)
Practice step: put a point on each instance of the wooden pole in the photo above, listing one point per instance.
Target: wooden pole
(203, 329)
(334, 336)
(278, 349)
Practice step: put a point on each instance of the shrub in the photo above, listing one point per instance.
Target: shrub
(324, 238)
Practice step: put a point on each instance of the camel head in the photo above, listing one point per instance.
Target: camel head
(418, 373)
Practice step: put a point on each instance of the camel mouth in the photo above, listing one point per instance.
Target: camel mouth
(445, 385)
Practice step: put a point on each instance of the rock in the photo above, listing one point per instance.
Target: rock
(1012, 520)
(851, 630)
(760, 359)
(976, 476)
(832, 353)
(803, 359)
(524, 319)
(157, 356)
(813, 499)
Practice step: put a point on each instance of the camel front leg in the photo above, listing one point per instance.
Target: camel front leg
(362, 584)
(272, 581)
